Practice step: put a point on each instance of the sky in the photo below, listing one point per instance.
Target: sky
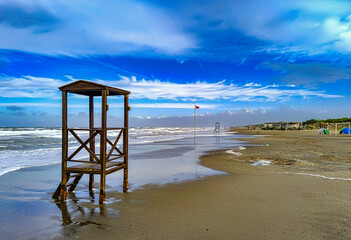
(242, 62)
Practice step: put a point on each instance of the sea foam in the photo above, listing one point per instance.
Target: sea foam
(316, 175)
(262, 163)
(232, 151)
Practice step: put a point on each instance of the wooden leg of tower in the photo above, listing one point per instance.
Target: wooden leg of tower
(125, 179)
(103, 137)
(63, 191)
(57, 192)
(102, 188)
(125, 143)
(91, 182)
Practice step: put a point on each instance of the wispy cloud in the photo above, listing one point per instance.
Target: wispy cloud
(19, 106)
(307, 27)
(178, 28)
(174, 105)
(34, 87)
(29, 87)
(155, 90)
(79, 28)
(311, 26)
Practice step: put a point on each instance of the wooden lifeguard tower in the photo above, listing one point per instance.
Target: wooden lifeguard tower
(217, 128)
(110, 159)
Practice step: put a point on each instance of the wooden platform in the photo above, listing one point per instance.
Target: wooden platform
(95, 168)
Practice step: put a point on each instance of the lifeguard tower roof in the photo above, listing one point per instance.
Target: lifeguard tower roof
(87, 88)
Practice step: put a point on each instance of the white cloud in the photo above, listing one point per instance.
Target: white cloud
(314, 26)
(37, 87)
(173, 105)
(114, 105)
(42, 105)
(251, 84)
(166, 105)
(94, 27)
(29, 87)
(119, 27)
(156, 90)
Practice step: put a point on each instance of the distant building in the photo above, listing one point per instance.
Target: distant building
(294, 125)
(283, 125)
(268, 125)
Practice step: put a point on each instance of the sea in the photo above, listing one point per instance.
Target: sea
(30, 171)
(31, 147)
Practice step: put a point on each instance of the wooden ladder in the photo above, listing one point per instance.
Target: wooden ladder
(71, 186)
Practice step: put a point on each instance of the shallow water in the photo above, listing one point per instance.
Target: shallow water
(27, 210)
(28, 147)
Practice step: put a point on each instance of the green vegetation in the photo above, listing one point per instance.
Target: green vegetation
(332, 120)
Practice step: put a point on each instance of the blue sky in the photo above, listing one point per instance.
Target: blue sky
(261, 60)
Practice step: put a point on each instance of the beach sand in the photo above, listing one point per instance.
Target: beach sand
(304, 194)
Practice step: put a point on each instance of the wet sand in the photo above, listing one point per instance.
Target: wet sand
(304, 194)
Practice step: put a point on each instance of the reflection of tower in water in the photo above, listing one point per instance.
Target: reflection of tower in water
(74, 214)
(217, 128)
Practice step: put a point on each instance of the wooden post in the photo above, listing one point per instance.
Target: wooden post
(64, 175)
(103, 145)
(125, 143)
(92, 141)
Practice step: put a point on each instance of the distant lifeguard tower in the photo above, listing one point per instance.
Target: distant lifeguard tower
(110, 159)
(217, 128)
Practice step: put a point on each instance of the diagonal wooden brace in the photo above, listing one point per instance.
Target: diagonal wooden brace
(114, 145)
(83, 145)
(74, 184)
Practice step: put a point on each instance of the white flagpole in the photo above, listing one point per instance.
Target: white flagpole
(194, 122)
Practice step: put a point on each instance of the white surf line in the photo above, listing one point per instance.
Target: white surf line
(316, 175)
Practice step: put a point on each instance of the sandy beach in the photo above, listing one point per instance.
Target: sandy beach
(304, 194)
(299, 189)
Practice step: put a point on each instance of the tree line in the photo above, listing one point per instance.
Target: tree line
(331, 120)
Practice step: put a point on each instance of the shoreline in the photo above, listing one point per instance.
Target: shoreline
(249, 202)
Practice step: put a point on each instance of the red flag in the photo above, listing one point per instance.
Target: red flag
(197, 107)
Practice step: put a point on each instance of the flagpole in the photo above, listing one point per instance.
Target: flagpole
(194, 123)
